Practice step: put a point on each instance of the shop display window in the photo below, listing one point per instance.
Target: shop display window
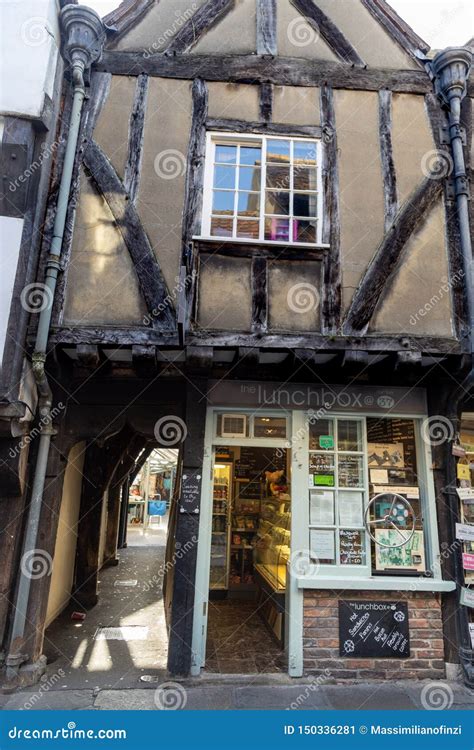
(365, 496)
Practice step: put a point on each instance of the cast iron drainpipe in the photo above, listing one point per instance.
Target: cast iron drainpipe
(450, 70)
(16, 657)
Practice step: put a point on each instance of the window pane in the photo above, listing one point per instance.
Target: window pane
(305, 204)
(226, 154)
(304, 178)
(349, 436)
(224, 177)
(249, 178)
(246, 228)
(277, 203)
(322, 546)
(304, 230)
(350, 471)
(320, 433)
(278, 177)
(278, 151)
(304, 152)
(221, 227)
(249, 204)
(351, 547)
(274, 427)
(223, 202)
(250, 155)
(277, 229)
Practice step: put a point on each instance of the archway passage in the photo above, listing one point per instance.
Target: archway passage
(124, 635)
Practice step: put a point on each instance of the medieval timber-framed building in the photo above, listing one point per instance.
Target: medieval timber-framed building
(256, 238)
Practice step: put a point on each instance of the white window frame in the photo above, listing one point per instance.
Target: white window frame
(214, 138)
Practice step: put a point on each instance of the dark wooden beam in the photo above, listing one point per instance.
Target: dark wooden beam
(144, 359)
(266, 27)
(397, 28)
(131, 179)
(386, 155)
(281, 71)
(207, 16)
(244, 250)
(88, 355)
(331, 295)
(193, 191)
(116, 336)
(355, 360)
(408, 360)
(125, 17)
(259, 278)
(150, 277)
(245, 126)
(333, 36)
(266, 102)
(199, 357)
(388, 254)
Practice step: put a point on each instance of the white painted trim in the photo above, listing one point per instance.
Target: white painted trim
(376, 584)
(263, 243)
(299, 512)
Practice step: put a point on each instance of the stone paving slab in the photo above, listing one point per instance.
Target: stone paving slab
(53, 700)
(214, 698)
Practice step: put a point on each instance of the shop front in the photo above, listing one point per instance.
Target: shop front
(318, 505)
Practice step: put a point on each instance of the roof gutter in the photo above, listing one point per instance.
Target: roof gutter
(83, 35)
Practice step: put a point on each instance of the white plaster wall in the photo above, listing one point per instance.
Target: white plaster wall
(29, 40)
(10, 241)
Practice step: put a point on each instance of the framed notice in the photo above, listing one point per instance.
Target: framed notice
(411, 556)
(386, 455)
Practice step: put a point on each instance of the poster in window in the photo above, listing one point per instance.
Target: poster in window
(350, 508)
(321, 508)
(409, 557)
(322, 545)
(321, 467)
(386, 455)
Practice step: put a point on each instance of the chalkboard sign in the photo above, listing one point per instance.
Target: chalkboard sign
(190, 491)
(373, 629)
(352, 547)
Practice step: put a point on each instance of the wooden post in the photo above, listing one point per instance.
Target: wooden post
(187, 528)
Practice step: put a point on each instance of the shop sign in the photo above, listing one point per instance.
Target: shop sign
(463, 471)
(466, 494)
(467, 597)
(468, 561)
(326, 442)
(190, 491)
(318, 398)
(374, 629)
(465, 532)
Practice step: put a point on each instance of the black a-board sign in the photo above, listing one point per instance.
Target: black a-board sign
(373, 629)
(190, 491)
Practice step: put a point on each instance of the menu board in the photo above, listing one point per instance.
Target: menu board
(374, 629)
(351, 547)
(253, 462)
